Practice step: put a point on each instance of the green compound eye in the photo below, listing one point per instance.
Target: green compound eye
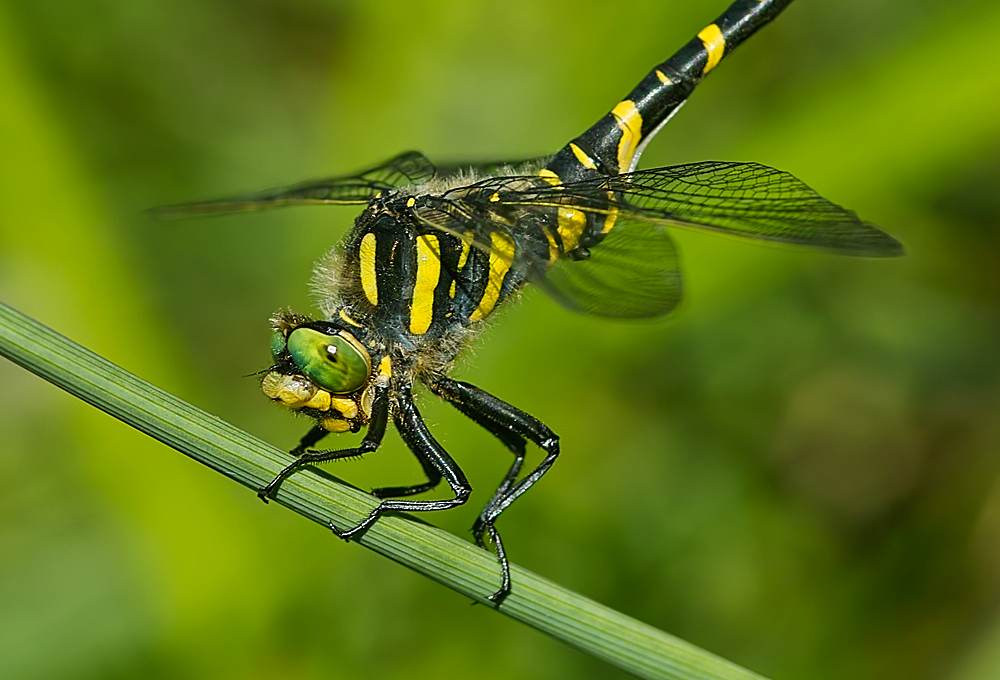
(277, 344)
(333, 362)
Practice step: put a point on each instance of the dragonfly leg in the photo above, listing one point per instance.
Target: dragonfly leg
(512, 426)
(433, 458)
(311, 438)
(376, 430)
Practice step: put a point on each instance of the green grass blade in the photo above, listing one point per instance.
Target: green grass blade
(577, 621)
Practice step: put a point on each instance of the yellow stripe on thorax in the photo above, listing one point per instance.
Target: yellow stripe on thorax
(462, 259)
(501, 257)
(713, 40)
(428, 273)
(585, 160)
(366, 253)
(630, 123)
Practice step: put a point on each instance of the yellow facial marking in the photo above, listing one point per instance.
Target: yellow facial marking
(366, 253)
(550, 177)
(630, 123)
(343, 315)
(320, 401)
(495, 197)
(410, 202)
(428, 273)
(335, 425)
(571, 225)
(715, 43)
(501, 257)
(294, 391)
(346, 407)
(585, 160)
(663, 77)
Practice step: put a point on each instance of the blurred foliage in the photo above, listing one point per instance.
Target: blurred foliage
(798, 471)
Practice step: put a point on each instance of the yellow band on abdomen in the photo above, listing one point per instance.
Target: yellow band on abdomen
(713, 40)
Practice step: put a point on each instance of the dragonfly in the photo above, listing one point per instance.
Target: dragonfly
(439, 248)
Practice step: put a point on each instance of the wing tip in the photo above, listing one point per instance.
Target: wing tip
(880, 244)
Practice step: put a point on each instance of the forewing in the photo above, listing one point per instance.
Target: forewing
(407, 168)
(744, 199)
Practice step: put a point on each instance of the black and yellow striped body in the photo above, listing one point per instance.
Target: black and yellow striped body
(439, 249)
(414, 286)
(613, 145)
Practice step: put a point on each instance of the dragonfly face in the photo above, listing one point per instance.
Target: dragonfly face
(438, 249)
(323, 371)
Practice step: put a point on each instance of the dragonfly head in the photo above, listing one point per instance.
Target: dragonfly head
(322, 370)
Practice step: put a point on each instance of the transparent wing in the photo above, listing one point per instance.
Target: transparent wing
(633, 274)
(743, 199)
(407, 168)
(752, 200)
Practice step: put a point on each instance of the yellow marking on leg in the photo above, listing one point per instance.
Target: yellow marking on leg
(501, 257)
(428, 274)
(585, 160)
(410, 202)
(366, 253)
(495, 197)
(550, 177)
(663, 77)
(571, 225)
(385, 367)
(630, 123)
(715, 43)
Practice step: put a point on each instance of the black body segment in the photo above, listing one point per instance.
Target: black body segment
(612, 145)
(438, 249)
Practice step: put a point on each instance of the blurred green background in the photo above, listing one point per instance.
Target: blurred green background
(798, 471)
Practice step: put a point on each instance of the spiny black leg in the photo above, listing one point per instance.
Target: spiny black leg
(431, 456)
(506, 422)
(433, 479)
(311, 439)
(501, 594)
(376, 430)
(512, 441)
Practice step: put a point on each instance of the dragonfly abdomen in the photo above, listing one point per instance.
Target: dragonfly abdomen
(613, 144)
